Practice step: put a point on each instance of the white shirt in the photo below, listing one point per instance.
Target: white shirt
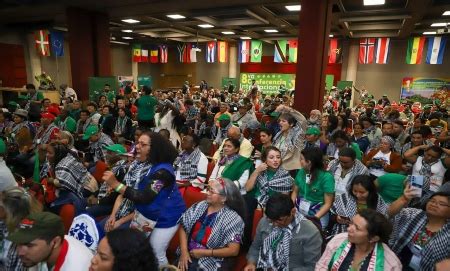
(70, 93)
(380, 156)
(437, 173)
(341, 184)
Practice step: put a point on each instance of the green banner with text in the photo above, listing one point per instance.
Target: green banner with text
(269, 83)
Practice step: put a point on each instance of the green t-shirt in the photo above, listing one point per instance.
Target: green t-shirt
(110, 96)
(146, 107)
(39, 96)
(391, 186)
(314, 192)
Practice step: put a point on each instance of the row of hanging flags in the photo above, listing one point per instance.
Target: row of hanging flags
(47, 42)
(376, 50)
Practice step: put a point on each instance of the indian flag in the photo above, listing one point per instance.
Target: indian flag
(415, 49)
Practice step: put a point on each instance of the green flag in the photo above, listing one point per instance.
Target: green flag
(279, 56)
(256, 51)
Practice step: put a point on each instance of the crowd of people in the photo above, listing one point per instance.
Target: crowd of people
(342, 187)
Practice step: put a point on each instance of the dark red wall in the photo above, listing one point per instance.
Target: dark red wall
(268, 66)
(13, 72)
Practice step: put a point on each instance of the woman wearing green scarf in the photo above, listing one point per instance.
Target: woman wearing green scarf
(233, 166)
(363, 248)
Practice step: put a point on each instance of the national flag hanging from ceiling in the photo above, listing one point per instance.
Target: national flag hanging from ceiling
(57, 40)
(382, 50)
(222, 51)
(211, 48)
(436, 49)
(244, 51)
(293, 48)
(415, 50)
(334, 51)
(136, 53)
(42, 43)
(163, 53)
(154, 54)
(181, 52)
(279, 55)
(256, 51)
(366, 50)
(144, 55)
(193, 53)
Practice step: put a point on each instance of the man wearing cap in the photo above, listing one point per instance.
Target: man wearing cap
(41, 242)
(243, 116)
(20, 119)
(47, 131)
(98, 141)
(312, 137)
(224, 124)
(7, 179)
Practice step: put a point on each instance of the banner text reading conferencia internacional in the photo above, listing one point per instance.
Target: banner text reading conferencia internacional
(269, 83)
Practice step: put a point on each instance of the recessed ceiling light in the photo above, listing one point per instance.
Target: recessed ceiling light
(127, 30)
(246, 38)
(175, 16)
(373, 2)
(439, 25)
(429, 33)
(446, 13)
(293, 7)
(131, 21)
(127, 38)
(206, 25)
(331, 35)
(228, 32)
(270, 30)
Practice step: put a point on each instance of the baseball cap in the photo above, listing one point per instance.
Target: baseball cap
(47, 115)
(90, 131)
(224, 117)
(37, 225)
(275, 114)
(22, 97)
(53, 110)
(313, 131)
(2, 146)
(117, 148)
(12, 103)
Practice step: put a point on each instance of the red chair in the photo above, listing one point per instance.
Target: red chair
(213, 149)
(173, 246)
(265, 119)
(67, 214)
(209, 170)
(258, 115)
(100, 168)
(256, 218)
(191, 197)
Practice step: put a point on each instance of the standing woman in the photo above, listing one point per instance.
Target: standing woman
(158, 202)
(314, 187)
(290, 140)
(168, 118)
(146, 109)
(123, 127)
(211, 230)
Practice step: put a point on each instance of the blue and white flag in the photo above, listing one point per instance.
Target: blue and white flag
(436, 49)
(57, 40)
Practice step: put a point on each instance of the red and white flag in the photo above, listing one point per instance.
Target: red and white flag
(163, 53)
(366, 50)
(42, 43)
(382, 50)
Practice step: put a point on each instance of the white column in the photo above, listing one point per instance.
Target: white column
(232, 68)
(134, 72)
(352, 67)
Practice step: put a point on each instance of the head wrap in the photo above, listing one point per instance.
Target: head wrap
(389, 139)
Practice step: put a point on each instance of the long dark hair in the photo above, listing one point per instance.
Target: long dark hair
(366, 182)
(332, 123)
(377, 224)
(61, 151)
(161, 149)
(132, 251)
(315, 156)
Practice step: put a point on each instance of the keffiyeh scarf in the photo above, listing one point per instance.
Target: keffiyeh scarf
(44, 135)
(72, 175)
(276, 246)
(425, 171)
(294, 140)
(376, 262)
(186, 164)
(121, 124)
(281, 182)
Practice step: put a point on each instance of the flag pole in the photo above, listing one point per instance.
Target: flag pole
(57, 72)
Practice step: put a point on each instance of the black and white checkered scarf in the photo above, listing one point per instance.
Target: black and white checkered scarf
(228, 228)
(276, 246)
(44, 135)
(186, 164)
(407, 224)
(345, 205)
(72, 175)
(358, 169)
(281, 182)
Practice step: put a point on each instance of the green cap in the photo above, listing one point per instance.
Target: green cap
(275, 114)
(313, 131)
(117, 148)
(224, 116)
(428, 106)
(22, 97)
(12, 103)
(37, 225)
(2, 146)
(90, 131)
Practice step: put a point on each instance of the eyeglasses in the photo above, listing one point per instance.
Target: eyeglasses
(441, 204)
(142, 144)
(212, 191)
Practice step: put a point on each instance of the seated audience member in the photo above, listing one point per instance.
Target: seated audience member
(94, 116)
(20, 123)
(315, 117)
(221, 130)
(123, 126)
(265, 137)
(7, 179)
(415, 139)
(360, 138)
(399, 135)
(383, 159)
(191, 165)
(363, 247)
(340, 140)
(290, 140)
(373, 133)
(211, 230)
(158, 202)
(362, 194)
(245, 146)
(41, 242)
(124, 249)
(97, 143)
(82, 124)
(345, 168)
(431, 165)
(390, 186)
(223, 110)
(232, 165)
(314, 187)
(243, 117)
(312, 137)
(421, 238)
(16, 204)
(65, 122)
(285, 239)
(47, 130)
